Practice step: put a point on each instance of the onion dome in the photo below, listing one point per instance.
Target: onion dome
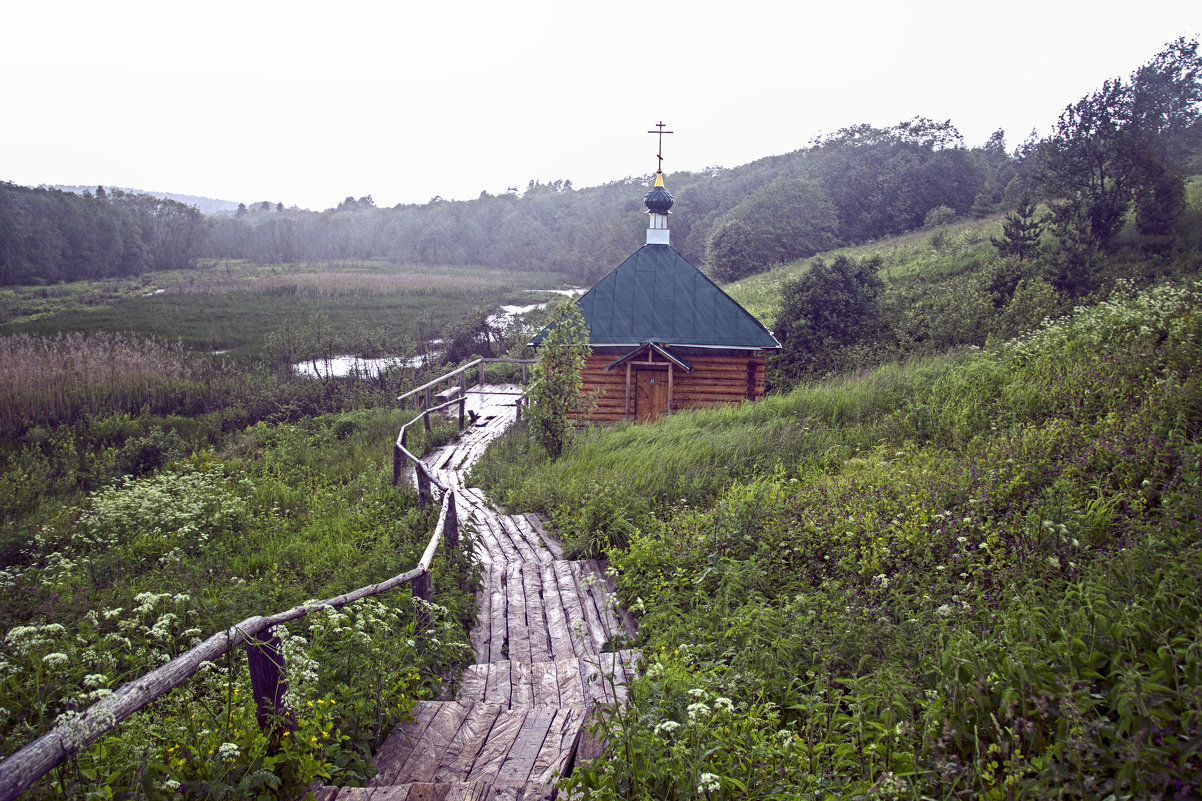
(659, 199)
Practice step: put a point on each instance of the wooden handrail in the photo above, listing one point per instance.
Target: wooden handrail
(19, 771)
(479, 362)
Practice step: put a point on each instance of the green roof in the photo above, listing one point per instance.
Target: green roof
(656, 295)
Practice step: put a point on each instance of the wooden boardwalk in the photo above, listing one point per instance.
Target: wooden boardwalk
(542, 664)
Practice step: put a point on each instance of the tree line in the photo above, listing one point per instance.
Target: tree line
(48, 235)
(1123, 147)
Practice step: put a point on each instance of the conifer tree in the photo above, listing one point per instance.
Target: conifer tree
(1020, 232)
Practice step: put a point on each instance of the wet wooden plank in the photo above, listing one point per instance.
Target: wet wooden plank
(544, 683)
(527, 552)
(521, 686)
(533, 539)
(479, 635)
(498, 624)
(498, 541)
(474, 683)
(572, 608)
(549, 541)
(536, 616)
(397, 748)
(519, 629)
(427, 753)
(425, 792)
(526, 745)
(555, 606)
(590, 584)
(500, 688)
(500, 739)
(558, 746)
(570, 683)
(461, 755)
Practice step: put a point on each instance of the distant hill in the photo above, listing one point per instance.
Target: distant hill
(206, 205)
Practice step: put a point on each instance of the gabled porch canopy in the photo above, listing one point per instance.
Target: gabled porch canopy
(649, 348)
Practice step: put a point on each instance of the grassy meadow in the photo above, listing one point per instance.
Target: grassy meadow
(970, 573)
(152, 493)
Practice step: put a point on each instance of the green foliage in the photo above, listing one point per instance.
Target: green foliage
(285, 513)
(827, 308)
(1021, 232)
(555, 381)
(787, 219)
(973, 574)
(1125, 141)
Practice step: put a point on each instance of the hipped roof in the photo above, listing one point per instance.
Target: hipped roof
(656, 295)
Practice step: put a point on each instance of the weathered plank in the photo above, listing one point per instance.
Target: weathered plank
(427, 753)
(526, 746)
(536, 615)
(519, 628)
(500, 684)
(500, 739)
(498, 622)
(461, 755)
(396, 750)
(558, 746)
(557, 620)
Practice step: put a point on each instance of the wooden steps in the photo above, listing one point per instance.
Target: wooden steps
(544, 641)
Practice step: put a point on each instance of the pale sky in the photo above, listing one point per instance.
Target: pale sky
(306, 103)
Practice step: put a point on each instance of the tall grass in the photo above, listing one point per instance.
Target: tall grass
(46, 380)
(971, 575)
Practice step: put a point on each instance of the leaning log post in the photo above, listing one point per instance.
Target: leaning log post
(423, 485)
(450, 531)
(269, 685)
(423, 588)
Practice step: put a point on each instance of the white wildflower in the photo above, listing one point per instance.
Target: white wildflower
(698, 710)
(724, 704)
(708, 783)
(228, 750)
(667, 727)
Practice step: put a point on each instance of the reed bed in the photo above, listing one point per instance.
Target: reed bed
(51, 379)
(336, 284)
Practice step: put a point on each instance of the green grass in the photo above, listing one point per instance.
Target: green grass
(966, 575)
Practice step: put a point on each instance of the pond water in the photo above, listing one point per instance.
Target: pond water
(342, 366)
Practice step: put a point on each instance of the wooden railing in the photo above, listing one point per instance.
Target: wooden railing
(19, 771)
(423, 396)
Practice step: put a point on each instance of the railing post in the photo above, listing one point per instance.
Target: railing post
(423, 485)
(428, 402)
(398, 462)
(525, 374)
(462, 411)
(481, 372)
(426, 421)
(269, 685)
(423, 588)
(450, 531)
(518, 405)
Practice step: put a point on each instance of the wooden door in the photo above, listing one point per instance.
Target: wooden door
(650, 394)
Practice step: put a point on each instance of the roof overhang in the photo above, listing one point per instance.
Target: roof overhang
(652, 347)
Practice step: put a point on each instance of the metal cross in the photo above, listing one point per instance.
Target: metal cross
(660, 132)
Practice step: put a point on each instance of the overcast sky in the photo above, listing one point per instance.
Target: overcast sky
(307, 103)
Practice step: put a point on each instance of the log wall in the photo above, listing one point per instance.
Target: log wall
(716, 380)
